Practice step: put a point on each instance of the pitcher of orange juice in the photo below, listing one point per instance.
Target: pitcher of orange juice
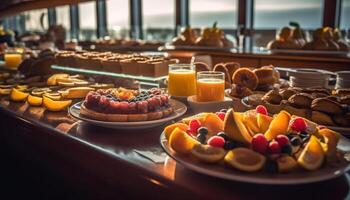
(210, 86)
(182, 80)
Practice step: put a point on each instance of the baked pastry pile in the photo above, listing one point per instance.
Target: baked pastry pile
(243, 81)
(133, 64)
(121, 105)
(323, 106)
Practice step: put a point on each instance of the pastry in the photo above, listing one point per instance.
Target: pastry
(232, 67)
(341, 92)
(240, 91)
(321, 118)
(245, 77)
(286, 93)
(301, 100)
(342, 120)
(327, 106)
(273, 108)
(119, 104)
(265, 76)
(272, 97)
(221, 68)
(302, 112)
(345, 100)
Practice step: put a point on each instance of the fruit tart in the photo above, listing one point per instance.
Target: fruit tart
(122, 105)
(255, 141)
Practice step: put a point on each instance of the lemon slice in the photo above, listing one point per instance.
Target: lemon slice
(17, 95)
(34, 100)
(245, 159)
(207, 153)
(53, 105)
(312, 156)
(5, 91)
(181, 142)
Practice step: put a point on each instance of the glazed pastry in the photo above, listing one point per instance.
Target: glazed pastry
(301, 100)
(286, 93)
(272, 97)
(342, 120)
(240, 91)
(301, 112)
(321, 118)
(318, 95)
(333, 98)
(265, 75)
(232, 67)
(317, 90)
(245, 77)
(327, 106)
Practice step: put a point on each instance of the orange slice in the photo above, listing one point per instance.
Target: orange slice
(169, 129)
(278, 126)
(181, 142)
(53, 105)
(17, 95)
(34, 100)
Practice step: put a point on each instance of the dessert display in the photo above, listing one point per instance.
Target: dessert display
(209, 37)
(323, 39)
(133, 64)
(123, 105)
(323, 106)
(254, 141)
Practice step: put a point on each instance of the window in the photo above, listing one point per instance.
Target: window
(36, 20)
(158, 19)
(345, 15)
(118, 22)
(87, 20)
(62, 18)
(203, 13)
(274, 14)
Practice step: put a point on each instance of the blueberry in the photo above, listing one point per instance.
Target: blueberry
(202, 130)
(223, 110)
(287, 149)
(223, 135)
(201, 138)
(271, 166)
(229, 145)
(295, 141)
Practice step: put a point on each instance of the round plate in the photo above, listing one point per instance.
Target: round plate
(293, 178)
(179, 110)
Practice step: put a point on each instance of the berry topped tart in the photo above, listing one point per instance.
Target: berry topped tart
(123, 105)
(256, 142)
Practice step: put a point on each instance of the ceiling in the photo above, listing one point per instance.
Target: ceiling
(11, 7)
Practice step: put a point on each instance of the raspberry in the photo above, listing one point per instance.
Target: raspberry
(194, 125)
(298, 124)
(221, 115)
(259, 143)
(274, 148)
(216, 141)
(261, 109)
(282, 140)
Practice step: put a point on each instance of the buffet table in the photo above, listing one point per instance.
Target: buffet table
(103, 162)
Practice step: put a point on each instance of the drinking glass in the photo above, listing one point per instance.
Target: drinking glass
(182, 80)
(210, 86)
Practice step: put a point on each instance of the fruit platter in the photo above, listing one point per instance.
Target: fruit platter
(256, 147)
(127, 109)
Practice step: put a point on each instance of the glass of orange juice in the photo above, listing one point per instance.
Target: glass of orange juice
(12, 58)
(182, 80)
(210, 86)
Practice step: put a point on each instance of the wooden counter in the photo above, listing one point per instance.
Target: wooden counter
(256, 59)
(102, 163)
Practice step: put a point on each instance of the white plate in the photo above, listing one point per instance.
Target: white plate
(179, 110)
(293, 178)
